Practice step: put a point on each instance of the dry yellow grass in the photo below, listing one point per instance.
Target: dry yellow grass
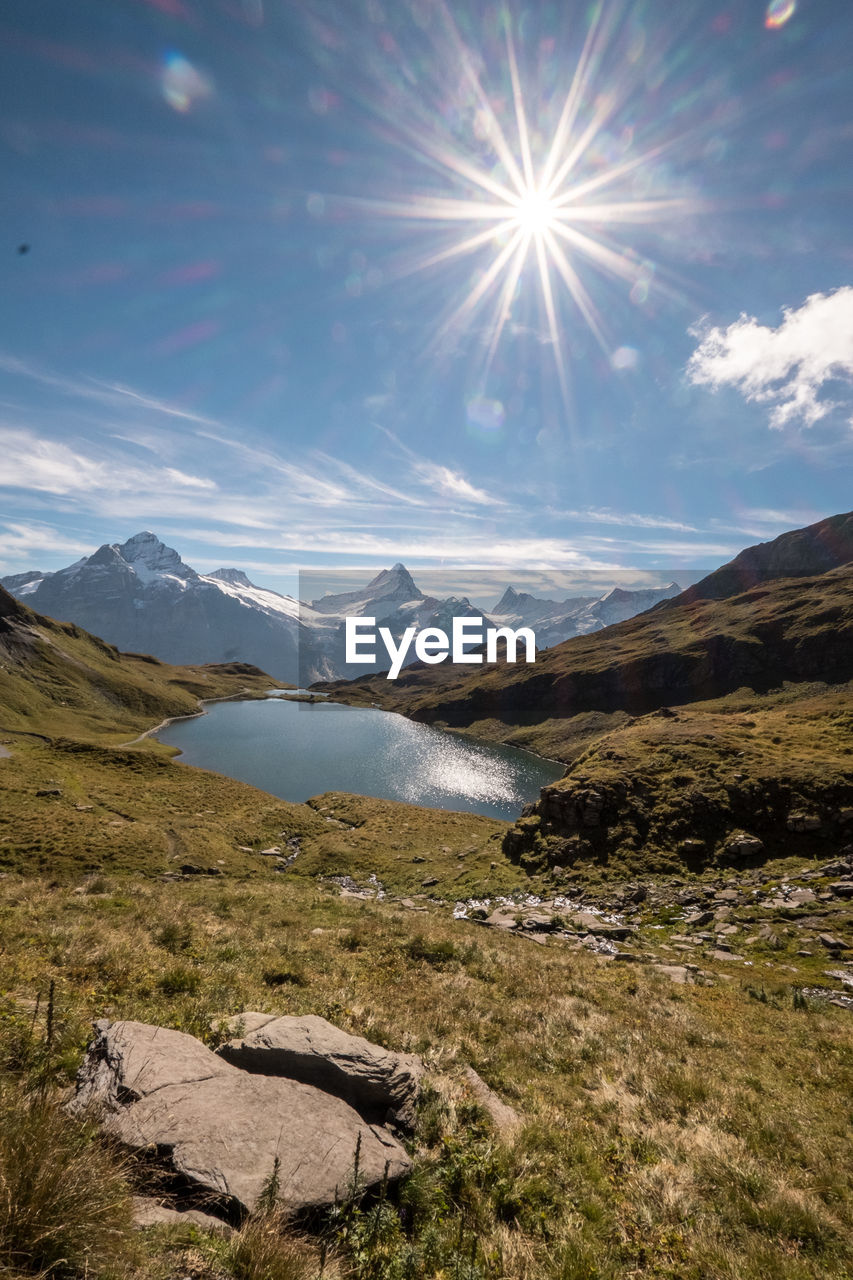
(680, 1132)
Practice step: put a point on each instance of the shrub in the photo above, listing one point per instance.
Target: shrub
(175, 935)
(435, 953)
(64, 1202)
(262, 1251)
(180, 980)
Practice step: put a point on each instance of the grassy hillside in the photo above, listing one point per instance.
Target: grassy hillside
(683, 1100)
(676, 789)
(694, 1130)
(75, 797)
(682, 651)
(56, 678)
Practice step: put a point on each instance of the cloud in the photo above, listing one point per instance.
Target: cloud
(787, 366)
(440, 479)
(39, 463)
(114, 395)
(451, 484)
(625, 519)
(24, 541)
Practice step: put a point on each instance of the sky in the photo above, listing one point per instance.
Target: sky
(310, 283)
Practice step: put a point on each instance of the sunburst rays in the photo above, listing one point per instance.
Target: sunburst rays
(534, 204)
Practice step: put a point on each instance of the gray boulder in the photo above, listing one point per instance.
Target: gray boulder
(220, 1129)
(381, 1086)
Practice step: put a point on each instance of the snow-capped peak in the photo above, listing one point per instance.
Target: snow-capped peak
(396, 579)
(148, 555)
(235, 576)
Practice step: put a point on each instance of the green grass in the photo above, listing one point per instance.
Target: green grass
(134, 810)
(700, 773)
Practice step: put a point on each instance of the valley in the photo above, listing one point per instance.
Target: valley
(631, 1001)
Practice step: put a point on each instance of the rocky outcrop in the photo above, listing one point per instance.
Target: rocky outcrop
(381, 1086)
(637, 816)
(225, 1133)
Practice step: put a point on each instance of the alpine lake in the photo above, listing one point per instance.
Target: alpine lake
(296, 749)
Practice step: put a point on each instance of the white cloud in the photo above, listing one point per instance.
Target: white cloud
(451, 484)
(625, 519)
(440, 479)
(114, 395)
(787, 366)
(25, 541)
(35, 462)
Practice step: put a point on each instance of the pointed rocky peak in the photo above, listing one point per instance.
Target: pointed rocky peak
(394, 581)
(108, 554)
(236, 577)
(148, 555)
(507, 602)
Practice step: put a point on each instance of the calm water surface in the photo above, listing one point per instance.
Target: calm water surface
(296, 750)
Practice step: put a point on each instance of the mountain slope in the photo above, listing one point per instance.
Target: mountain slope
(76, 796)
(141, 596)
(800, 553)
(695, 646)
(55, 678)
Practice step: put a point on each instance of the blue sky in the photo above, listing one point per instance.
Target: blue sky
(346, 282)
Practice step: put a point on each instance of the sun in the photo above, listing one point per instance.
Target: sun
(535, 212)
(559, 200)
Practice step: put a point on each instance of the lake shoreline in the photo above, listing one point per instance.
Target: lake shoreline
(388, 757)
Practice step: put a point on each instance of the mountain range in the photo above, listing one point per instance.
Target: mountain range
(780, 611)
(142, 597)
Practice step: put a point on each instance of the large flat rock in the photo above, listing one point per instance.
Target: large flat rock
(222, 1129)
(382, 1086)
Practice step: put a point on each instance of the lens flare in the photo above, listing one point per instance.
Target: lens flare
(548, 199)
(182, 83)
(778, 13)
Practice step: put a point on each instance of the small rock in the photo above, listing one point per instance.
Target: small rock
(430, 880)
(538, 921)
(150, 1213)
(803, 822)
(801, 896)
(699, 918)
(501, 919)
(49, 791)
(504, 1117)
(675, 972)
(743, 845)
